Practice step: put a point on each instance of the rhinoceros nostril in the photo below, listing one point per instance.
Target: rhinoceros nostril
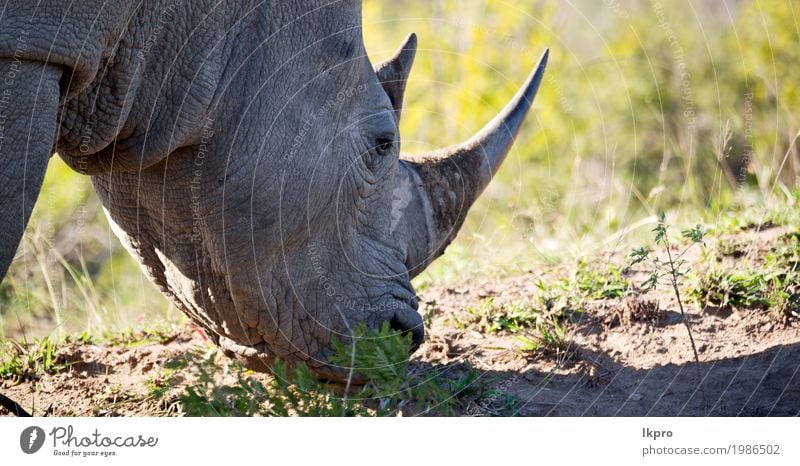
(407, 320)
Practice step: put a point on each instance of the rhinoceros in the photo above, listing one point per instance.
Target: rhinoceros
(247, 155)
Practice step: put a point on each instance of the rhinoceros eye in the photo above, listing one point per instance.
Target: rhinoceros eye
(384, 145)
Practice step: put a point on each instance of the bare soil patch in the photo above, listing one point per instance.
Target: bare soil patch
(630, 357)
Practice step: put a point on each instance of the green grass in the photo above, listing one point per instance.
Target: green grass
(595, 283)
(492, 317)
(71, 275)
(549, 337)
(21, 362)
(391, 386)
(543, 325)
(132, 338)
(731, 288)
(772, 282)
(164, 379)
(562, 298)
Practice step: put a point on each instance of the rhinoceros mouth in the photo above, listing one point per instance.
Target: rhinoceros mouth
(408, 321)
(258, 357)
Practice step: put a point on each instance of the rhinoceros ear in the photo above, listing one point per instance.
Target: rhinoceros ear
(393, 73)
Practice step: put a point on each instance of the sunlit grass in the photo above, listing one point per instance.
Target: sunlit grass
(71, 275)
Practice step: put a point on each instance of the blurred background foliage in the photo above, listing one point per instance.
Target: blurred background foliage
(686, 106)
(683, 106)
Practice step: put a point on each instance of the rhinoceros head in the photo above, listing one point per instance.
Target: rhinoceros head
(351, 218)
(249, 158)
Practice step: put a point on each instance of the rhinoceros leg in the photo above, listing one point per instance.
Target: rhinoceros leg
(29, 98)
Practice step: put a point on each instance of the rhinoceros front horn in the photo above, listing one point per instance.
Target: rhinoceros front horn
(448, 181)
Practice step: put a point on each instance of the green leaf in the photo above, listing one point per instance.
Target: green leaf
(695, 234)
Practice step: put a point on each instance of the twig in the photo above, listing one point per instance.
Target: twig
(674, 282)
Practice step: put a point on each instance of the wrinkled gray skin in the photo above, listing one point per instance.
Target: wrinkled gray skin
(247, 154)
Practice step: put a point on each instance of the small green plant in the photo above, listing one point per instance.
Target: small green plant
(732, 288)
(132, 338)
(378, 360)
(503, 318)
(381, 358)
(549, 336)
(516, 318)
(785, 291)
(542, 326)
(166, 376)
(431, 308)
(560, 299)
(28, 361)
(288, 393)
(775, 284)
(114, 397)
(669, 271)
(595, 284)
(84, 338)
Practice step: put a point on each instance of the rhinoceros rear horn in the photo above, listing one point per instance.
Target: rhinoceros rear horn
(393, 73)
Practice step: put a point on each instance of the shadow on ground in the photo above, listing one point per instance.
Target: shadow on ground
(762, 384)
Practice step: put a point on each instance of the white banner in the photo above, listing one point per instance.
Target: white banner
(408, 441)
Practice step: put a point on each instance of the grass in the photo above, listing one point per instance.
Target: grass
(167, 376)
(131, 338)
(544, 324)
(391, 386)
(593, 283)
(732, 288)
(770, 282)
(493, 318)
(21, 362)
(549, 337)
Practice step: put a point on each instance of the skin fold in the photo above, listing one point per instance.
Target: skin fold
(247, 154)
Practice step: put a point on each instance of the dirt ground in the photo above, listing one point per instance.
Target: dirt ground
(623, 365)
(628, 356)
